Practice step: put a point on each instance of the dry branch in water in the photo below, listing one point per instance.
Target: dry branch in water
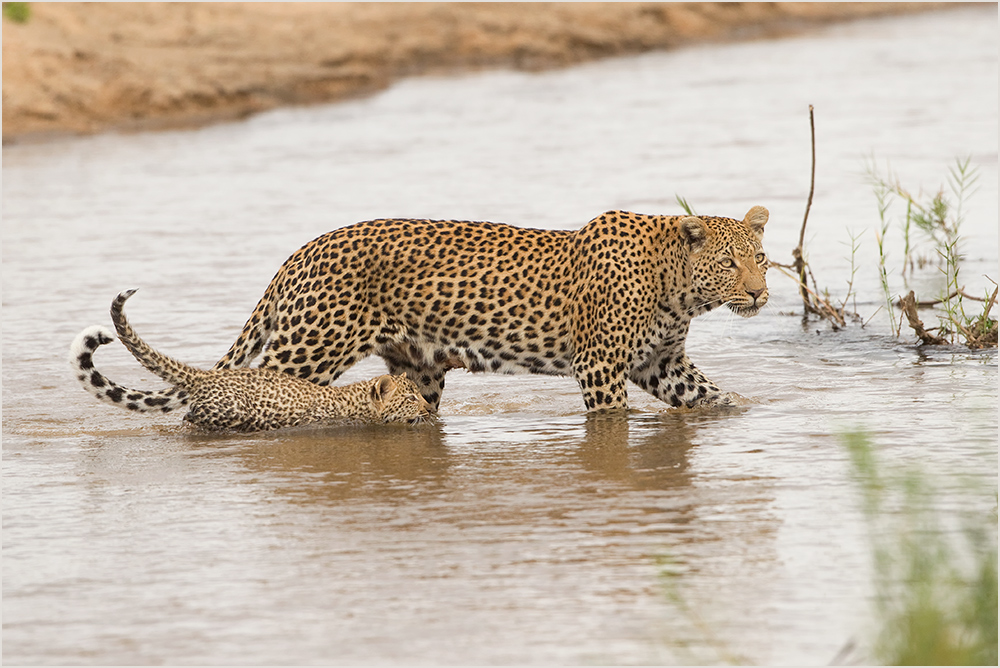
(930, 303)
(812, 301)
(800, 263)
(908, 304)
(980, 333)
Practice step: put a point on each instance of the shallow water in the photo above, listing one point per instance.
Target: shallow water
(517, 530)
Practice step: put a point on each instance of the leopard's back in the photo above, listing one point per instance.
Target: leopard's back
(423, 294)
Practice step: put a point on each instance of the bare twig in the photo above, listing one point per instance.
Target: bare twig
(871, 317)
(799, 271)
(973, 298)
(929, 303)
(797, 253)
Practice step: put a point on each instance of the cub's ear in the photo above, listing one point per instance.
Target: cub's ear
(382, 388)
(694, 232)
(756, 219)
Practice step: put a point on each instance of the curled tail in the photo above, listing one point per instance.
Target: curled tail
(169, 369)
(256, 332)
(81, 358)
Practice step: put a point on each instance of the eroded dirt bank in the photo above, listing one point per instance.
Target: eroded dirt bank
(89, 67)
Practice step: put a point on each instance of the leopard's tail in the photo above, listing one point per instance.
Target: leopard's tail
(256, 332)
(81, 358)
(167, 368)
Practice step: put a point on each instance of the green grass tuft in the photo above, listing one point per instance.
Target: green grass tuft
(18, 12)
(684, 205)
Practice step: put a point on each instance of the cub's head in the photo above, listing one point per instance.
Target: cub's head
(727, 261)
(398, 399)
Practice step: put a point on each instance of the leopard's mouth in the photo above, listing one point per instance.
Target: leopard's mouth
(744, 310)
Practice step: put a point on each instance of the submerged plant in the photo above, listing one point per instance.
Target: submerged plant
(939, 217)
(882, 193)
(850, 295)
(936, 591)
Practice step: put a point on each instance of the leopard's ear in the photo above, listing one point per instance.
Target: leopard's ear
(756, 219)
(382, 388)
(694, 232)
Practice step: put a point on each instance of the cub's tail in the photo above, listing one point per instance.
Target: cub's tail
(167, 368)
(81, 358)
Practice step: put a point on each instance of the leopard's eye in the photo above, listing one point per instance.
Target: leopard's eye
(728, 262)
(761, 258)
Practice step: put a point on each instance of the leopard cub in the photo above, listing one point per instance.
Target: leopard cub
(240, 400)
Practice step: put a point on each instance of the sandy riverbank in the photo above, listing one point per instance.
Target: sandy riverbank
(90, 67)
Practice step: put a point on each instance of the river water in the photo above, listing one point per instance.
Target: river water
(516, 530)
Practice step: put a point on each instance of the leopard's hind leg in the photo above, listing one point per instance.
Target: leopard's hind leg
(255, 333)
(321, 347)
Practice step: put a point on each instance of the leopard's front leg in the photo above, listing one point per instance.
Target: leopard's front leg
(604, 328)
(670, 376)
(601, 374)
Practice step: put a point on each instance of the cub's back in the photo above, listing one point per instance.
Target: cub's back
(256, 390)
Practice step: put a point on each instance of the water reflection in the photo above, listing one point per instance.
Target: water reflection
(644, 452)
(331, 465)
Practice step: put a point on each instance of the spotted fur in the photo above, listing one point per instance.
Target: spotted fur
(608, 303)
(242, 400)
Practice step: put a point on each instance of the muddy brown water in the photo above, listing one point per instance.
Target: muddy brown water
(517, 530)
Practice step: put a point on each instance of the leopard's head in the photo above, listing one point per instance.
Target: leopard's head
(398, 399)
(727, 261)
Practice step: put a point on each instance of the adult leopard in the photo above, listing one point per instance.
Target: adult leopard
(607, 303)
(240, 400)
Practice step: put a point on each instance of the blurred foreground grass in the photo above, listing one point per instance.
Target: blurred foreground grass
(935, 580)
(18, 12)
(935, 575)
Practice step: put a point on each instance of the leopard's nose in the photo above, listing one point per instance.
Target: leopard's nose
(755, 294)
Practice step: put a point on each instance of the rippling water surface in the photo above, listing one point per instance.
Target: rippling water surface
(517, 530)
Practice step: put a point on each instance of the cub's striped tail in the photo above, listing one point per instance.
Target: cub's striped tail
(167, 368)
(81, 358)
